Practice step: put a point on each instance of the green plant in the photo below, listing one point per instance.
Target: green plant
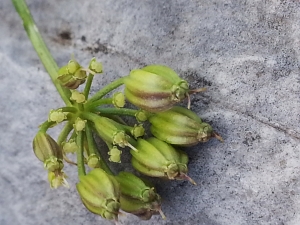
(153, 90)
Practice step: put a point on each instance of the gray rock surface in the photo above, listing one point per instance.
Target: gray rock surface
(246, 52)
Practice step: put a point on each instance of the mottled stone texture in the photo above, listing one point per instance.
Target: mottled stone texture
(245, 52)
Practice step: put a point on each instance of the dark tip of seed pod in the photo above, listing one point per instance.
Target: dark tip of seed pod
(216, 135)
(184, 176)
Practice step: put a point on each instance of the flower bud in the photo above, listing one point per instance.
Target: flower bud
(156, 158)
(77, 96)
(180, 126)
(93, 161)
(95, 66)
(79, 124)
(48, 151)
(118, 100)
(71, 75)
(69, 146)
(155, 88)
(100, 193)
(57, 178)
(137, 130)
(141, 116)
(114, 154)
(57, 115)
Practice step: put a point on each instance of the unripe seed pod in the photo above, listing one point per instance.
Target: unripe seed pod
(48, 151)
(100, 193)
(155, 88)
(158, 159)
(134, 187)
(144, 210)
(180, 126)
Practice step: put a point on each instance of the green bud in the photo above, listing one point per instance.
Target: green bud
(95, 66)
(79, 124)
(114, 154)
(71, 75)
(137, 131)
(77, 96)
(118, 100)
(141, 116)
(180, 126)
(158, 159)
(57, 116)
(93, 161)
(100, 193)
(70, 146)
(57, 179)
(48, 151)
(155, 88)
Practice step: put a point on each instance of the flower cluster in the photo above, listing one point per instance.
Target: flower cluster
(154, 90)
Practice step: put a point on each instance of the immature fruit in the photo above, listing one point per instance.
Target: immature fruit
(155, 88)
(48, 151)
(158, 159)
(100, 193)
(137, 197)
(180, 126)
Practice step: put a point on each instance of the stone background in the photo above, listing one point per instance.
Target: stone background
(246, 52)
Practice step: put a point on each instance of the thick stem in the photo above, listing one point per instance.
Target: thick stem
(80, 159)
(41, 48)
(108, 88)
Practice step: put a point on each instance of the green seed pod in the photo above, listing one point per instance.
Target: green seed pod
(100, 193)
(111, 132)
(144, 210)
(134, 187)
(180, 126)
(158, 159)
(48, 151)
(155, 88)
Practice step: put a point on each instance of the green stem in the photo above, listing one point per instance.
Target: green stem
(65, 132)
(93, 149)
(88, 85)
(46, 125)
(116, 111)
(80, 159)
(40, 47)
(108, 88)
(97, 103)
(69, 109)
